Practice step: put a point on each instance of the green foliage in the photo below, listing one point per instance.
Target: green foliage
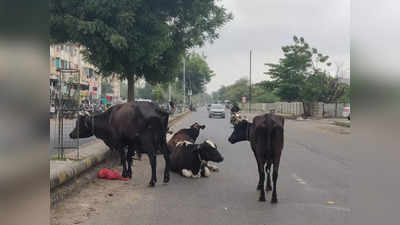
(198, 73)
(106, 88)
(260, 92)
(157, 94)
(301, 75)
(144, 92)
(136, 38)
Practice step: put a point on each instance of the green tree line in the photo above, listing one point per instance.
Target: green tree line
(301, 75)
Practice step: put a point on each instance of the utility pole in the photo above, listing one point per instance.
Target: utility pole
(250, 86)
(184, 83)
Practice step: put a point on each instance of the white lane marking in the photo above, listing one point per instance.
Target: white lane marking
(211, 143)
(299, 179)
(338, 208)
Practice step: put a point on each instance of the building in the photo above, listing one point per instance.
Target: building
(68, 56)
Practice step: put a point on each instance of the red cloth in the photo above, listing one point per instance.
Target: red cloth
(110, 175)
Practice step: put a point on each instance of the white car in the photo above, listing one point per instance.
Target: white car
(216, 110)
(346, 112)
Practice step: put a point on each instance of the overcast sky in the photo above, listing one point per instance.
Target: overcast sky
(266, 25)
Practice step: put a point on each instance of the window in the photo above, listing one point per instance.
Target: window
(57, 63)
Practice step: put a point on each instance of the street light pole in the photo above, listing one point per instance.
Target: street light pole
(184, 83)
(250, 86)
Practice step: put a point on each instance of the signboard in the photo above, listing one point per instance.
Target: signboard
(244, 99)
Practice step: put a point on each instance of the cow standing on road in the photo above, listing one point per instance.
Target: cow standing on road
(266, 139)
(140, 126)
(190, 160)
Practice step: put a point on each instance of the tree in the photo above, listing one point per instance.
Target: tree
(145, 92)
(135, 38)
(296, 74)
(198, 73)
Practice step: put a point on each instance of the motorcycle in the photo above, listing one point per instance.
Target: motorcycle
(235, 117)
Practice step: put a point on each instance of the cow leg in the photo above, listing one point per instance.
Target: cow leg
(131, 152)
(275, 179)
(123, 162)
(268, 170)
(260, 186)
(153, 164)
(167, 162)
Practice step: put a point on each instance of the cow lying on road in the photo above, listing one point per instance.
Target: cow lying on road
(266, 139)
(190, 160)
(140, 126)
(189, 134)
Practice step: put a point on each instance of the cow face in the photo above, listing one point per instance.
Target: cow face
(197, 126)
(208, 152)
(240, 132)
(84, 126)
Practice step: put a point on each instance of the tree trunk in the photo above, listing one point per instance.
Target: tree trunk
(131, 88)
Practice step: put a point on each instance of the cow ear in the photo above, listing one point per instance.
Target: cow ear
(202, 127)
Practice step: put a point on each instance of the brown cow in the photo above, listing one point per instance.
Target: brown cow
(189, 135)
(266, 139)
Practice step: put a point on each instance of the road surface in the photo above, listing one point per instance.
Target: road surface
(312, 187)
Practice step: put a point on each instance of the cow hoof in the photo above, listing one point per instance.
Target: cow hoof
(124, 174)
(274, 200)
(262, 199)
(166, 179)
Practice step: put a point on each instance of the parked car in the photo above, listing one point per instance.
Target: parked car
(346, 112)
(216, 110)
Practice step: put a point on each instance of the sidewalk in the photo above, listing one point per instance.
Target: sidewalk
(90, 155)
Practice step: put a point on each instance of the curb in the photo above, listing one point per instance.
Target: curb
(342, 124)
(57, 178)
(76, 168)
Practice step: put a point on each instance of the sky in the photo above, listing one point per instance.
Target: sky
(266, 25)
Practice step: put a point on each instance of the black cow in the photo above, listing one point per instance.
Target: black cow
(266, 139)
(140, 126)
(190, 160)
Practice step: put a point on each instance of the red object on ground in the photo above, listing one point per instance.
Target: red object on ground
(110, 175)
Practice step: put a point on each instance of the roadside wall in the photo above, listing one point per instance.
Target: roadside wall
(318, 109)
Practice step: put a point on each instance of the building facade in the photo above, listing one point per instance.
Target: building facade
(68, 56)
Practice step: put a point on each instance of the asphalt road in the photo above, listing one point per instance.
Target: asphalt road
(313, 185)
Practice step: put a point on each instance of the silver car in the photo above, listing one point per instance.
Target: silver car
(216, 110)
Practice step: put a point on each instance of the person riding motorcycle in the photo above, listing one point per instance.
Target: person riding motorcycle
(235, 115)
(235, 108)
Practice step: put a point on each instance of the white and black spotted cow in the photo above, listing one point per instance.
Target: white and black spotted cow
(191, 160)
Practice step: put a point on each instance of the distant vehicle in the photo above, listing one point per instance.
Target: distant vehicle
(346, 112)
(216, 110)
(208, 107)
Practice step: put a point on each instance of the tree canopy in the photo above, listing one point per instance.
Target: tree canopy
(235, 92)
(198, 73)
(136, 38)
(301, 75)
